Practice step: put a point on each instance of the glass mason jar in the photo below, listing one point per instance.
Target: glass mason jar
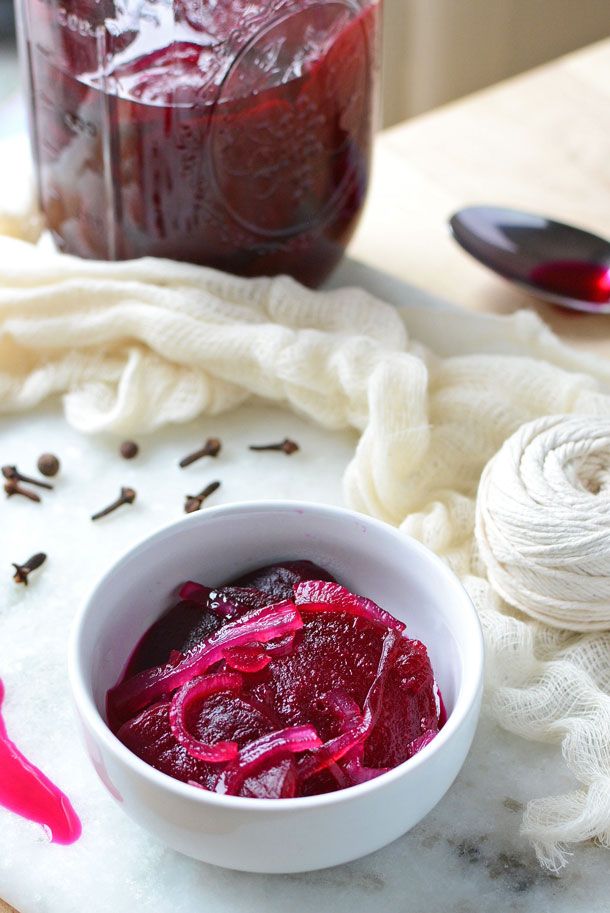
(232, 133)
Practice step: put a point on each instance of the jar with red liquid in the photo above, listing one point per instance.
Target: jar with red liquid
(231, 133)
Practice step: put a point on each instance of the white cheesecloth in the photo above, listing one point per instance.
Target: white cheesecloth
(543, 521)
(132, 346)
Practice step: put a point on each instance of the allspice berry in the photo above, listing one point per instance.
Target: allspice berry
(48, 464)
(129, 450)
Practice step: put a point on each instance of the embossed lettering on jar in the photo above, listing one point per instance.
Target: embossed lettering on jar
(236, 135)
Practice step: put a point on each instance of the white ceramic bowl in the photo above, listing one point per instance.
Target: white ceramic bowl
(215, 545)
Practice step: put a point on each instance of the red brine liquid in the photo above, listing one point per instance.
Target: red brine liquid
(279, 685)
(243, 142)
(26, 791)
(578, 279)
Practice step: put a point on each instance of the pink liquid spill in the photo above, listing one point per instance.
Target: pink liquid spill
(576, 279)
(26, 791)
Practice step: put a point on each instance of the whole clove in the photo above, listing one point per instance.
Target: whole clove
(23, 571)
(286, 446)
(129, 450)
(194, 502)
(12, 487)
(127, 496)
(211, 448)
(48, 464)
(12, 474)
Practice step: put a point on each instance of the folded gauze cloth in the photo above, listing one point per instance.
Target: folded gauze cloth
(132, 346)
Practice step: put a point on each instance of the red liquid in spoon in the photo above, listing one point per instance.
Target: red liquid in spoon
(578, 279)
(26, 791)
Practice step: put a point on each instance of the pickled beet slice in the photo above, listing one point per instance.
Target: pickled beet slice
(359, 729)
(206, 626)
(221, 716)
(278, 781)
(173, 631)
(421, 741)
(345, 708)
(261, 625)
(410, 710)
(231, 717)
(328, 780)
(194, 694)
(233, 601)
(277, 581)
(150, 737)
(343, 674)
(333, 652)
(320, 596)
(226, 602)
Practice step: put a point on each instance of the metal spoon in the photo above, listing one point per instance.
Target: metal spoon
(552, 260)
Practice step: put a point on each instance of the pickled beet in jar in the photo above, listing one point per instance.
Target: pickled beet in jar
(235, 134)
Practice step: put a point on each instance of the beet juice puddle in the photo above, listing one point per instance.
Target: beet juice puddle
(281, 684)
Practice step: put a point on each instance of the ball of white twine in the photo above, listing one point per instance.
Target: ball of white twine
(543, 521)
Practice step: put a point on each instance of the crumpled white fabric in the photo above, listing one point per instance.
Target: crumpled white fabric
(132, 346)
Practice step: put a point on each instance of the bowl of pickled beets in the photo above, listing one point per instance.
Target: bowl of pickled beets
(277, 686)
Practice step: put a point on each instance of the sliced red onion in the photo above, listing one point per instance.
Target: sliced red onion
(321, 596)
(354, 769)
(351, 768)
(340, 777)
(248, 658)
(421, 741)
(196, 691)
(336, 748)
(265, 750)
(261, 625)
(372, 702)
(281, 647)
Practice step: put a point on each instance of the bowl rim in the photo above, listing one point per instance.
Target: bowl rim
(468, 697)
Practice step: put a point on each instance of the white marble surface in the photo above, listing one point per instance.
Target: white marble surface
(467, 856)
